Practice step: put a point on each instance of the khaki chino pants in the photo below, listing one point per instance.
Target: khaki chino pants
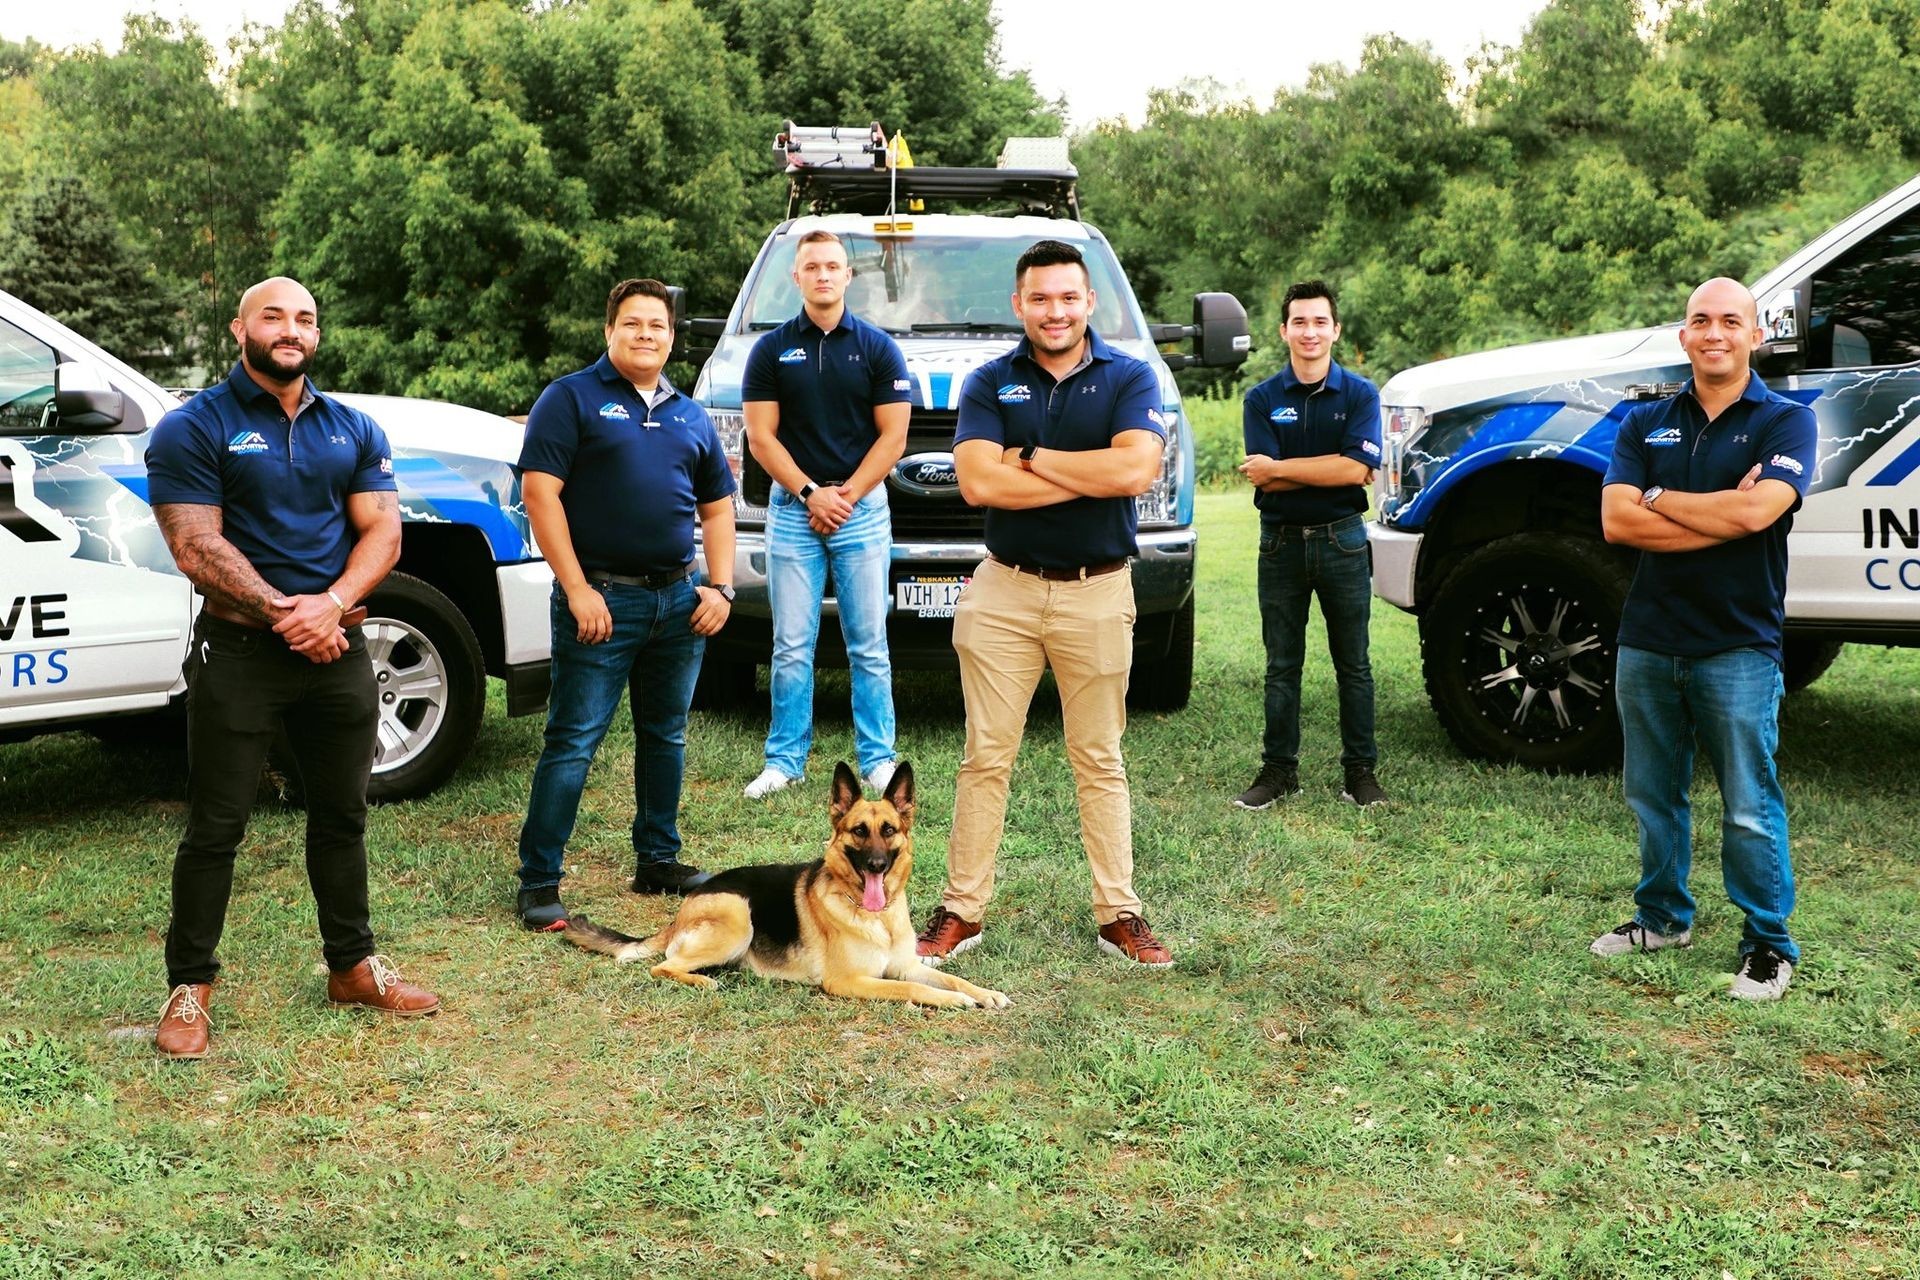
(1007, 628)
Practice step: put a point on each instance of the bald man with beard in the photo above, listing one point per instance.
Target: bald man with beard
(1705, 485)
(279, 504)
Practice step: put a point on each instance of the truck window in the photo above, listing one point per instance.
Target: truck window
(26, 381)
(1865, 304)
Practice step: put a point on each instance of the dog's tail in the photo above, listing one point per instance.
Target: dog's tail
(588, 936)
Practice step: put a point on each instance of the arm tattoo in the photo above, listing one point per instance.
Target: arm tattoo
(211, 563)
(384, 502)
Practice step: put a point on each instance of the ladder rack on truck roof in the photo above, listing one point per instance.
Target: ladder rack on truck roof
(842, 169)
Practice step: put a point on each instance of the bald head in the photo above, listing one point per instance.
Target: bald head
(1723, 295)
(1719, 333)
(282, 291)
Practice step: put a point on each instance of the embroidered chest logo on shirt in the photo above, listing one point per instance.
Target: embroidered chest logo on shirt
(1015, 393)
(614, 411)
(796, 356)
(853, 357)
(247, 442)
(339, 440)
(1284, 414)
(1664, 438)
(1089, 389)
(1786, 463)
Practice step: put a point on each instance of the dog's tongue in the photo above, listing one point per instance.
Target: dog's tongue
(876, 895)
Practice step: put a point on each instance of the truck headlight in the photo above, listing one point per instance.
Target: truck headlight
(731, 424)
(1400, 426)
(1159, 506)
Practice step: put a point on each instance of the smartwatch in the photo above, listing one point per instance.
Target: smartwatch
(1026, 457)
(725, 589)
(1647, 498)
(806, 490)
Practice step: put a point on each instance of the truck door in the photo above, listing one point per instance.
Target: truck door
(84, 629)
(1856, 538)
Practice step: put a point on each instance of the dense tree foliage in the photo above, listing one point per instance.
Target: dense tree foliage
(459, 180)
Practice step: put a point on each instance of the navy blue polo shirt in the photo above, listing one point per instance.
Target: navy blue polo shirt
(1284, 417)
(633, 472)
(827, 384)
(281, 486)
(1693, 604)
(1013, 401)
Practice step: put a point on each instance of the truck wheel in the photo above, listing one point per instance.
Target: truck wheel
(1166, 684)
(1518, 650)
(432, 683)
(725, 684)
(1807, 660)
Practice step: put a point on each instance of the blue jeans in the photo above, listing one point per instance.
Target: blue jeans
(1296, 563)
(1729, 703)
(655, 656)
(859, 553)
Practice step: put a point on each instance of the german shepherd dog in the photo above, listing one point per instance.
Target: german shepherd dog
(840, 922)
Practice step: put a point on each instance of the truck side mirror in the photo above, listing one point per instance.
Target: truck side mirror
(1783, 344)
(1219, 331)
(85, 399)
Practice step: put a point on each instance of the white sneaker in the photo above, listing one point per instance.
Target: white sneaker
(1634, 936)
(769, 781)
(1764, 975)
(882, 774)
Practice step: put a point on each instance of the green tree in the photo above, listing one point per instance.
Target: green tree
(61, 251)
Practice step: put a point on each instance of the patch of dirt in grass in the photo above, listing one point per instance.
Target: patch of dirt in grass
(1850, 1067)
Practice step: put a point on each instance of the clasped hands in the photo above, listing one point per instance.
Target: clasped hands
(311, 626)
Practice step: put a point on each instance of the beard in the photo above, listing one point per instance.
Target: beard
(260, 359)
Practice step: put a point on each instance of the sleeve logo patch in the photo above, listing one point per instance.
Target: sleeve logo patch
(796, 356)
(1162, 420)
(386, 466)
(1786, 463)
(614, 411)
(1015, 393)
(1369, 448)
(247, 442)
(1664, 438)
(1284, 414)
(902, 384)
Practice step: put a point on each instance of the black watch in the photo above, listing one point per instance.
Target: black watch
(806, 490)
(1026, 457)
(725, 589)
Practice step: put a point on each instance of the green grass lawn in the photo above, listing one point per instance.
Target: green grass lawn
(1384, 1051)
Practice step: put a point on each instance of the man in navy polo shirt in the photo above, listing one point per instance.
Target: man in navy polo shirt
(826, 398)
(279, 504)
(616, 466)
(1705, 485)
(1313, 439)
(1056, 439)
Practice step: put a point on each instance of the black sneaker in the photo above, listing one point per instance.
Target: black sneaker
(666, 877)
(1362, 787)
(540, 909)
(1276, 782)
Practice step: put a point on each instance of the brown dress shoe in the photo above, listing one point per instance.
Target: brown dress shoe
(184, 1028)
(375, 983)
(945, 936)
(1129, 937)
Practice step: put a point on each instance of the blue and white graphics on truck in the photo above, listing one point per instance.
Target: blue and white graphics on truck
(94, 616)
(1489, 498)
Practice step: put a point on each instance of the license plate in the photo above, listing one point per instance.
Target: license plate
(928, 597)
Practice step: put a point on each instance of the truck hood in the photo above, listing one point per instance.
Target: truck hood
(436, 427)
(1487, 375)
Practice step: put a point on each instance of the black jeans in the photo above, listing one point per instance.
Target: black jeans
(1297, 563)
(241, 684)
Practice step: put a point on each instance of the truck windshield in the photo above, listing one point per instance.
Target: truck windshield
(935, 284)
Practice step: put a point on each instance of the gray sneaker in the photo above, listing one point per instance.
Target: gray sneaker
(1764, 975)
(1275, 782)
(1634, 936)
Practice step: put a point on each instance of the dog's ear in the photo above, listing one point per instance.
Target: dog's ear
(900, 792)
(846, 791)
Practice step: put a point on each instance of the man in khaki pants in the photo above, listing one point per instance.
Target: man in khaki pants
(1056, 438)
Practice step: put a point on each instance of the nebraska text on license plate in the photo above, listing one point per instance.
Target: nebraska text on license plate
(928, 597)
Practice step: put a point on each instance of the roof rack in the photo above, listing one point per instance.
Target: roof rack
(857, 169)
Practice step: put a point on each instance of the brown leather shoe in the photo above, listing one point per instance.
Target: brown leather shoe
(946, 935)
(375, 983)
(1129, 937)
(184, 1024)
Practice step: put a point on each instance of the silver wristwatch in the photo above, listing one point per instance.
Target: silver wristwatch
(1647, 498)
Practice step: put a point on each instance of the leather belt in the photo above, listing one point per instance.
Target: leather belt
(1065, 575)
(230, 615)
(651, 581)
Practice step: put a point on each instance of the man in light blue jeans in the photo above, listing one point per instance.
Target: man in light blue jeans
(826, 399)
(1705, 484)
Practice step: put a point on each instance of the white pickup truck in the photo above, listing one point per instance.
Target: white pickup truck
(94, 617)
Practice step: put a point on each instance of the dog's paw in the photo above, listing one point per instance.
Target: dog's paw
(994, 999)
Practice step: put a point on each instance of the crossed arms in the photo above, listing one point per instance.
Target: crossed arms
(1682, 521)
(991, 474)
(310, 624)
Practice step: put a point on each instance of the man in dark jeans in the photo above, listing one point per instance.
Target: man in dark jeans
(279, 503)
(615, 467)
(1313, 439)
